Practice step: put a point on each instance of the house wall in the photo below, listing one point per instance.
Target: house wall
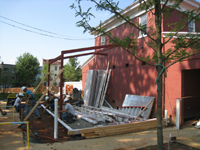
(128, 75)
(89, 66)
(140, 79)
(174, 85)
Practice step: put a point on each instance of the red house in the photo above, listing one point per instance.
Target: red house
(130, 76)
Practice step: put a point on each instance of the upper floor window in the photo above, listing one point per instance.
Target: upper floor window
(55, 67)
(191, 26)
(143, 23)
(13, 70)
(6, 70)
(103, 40)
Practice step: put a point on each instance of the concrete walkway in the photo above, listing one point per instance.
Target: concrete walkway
(11, 138)
(10, 135)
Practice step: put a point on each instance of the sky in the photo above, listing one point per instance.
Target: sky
(53, 18)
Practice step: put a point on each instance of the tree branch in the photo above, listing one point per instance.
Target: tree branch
(149, 45)
(147, 6)
(181, 59)
(175, 34)
(125, 19)
(129, 51)
(164, 5)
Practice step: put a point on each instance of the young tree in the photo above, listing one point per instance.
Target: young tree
(184, 46)
(27, 68)
(45, 70)
(72, 70)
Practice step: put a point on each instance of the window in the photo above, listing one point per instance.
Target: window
(103, 40)
(55, 75)
(191, 26)
(13, 70)
(143, 23)
(6, 70)
(55, 67)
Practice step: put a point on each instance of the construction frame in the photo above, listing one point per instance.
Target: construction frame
(97, 131)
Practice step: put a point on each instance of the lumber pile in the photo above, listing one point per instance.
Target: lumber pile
(101, 131)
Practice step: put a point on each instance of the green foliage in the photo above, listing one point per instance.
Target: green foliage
(3, 96)
(5, 81)
(72, 70)
(27, 68)
(45, 70)
(35, 84)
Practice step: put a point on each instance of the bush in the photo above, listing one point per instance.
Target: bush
(3, 96)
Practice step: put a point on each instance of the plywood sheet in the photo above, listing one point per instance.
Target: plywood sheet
(89, 87)
(101, 79)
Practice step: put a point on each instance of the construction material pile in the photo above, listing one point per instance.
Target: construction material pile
(99, 115)
(95, 87)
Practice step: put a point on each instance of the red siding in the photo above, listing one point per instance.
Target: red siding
(138, 79)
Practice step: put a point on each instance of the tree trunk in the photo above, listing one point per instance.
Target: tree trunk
(159, 112)
(158, 20)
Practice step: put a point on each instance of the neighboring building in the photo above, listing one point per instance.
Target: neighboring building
(130, 76)
(54, 69)
(8, 70)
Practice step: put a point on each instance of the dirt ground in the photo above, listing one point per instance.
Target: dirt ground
(42, 131)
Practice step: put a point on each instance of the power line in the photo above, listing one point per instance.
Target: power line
(33, 27)
(65, 38)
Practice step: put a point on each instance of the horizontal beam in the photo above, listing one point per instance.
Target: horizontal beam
(54, 59)
(87, 48)
(84, 55)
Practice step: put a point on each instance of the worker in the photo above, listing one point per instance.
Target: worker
(30, 102)
(67, 113)
(19, 106)
(49, 102)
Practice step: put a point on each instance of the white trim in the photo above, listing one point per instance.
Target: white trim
(87, 61)
(179, 33)
(112, 22)
(139, 37)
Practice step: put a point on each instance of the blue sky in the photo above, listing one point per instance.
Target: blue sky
(49, 15)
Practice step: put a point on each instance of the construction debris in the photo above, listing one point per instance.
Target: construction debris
(95, 87)
(136, 105)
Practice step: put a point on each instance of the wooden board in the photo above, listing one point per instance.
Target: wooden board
(116, 129)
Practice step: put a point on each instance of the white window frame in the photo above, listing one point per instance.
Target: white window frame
(192, 27)
(103, 39)
(142, 34)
